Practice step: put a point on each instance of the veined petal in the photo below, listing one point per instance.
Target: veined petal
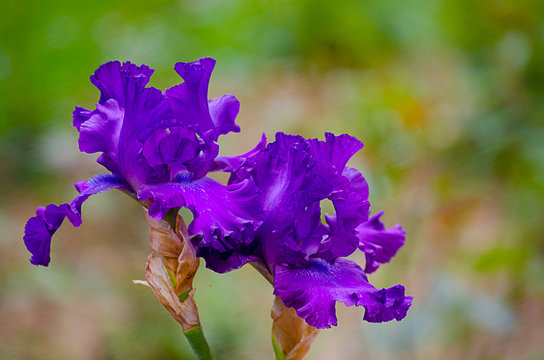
(287, 178)
(224, 215)
(378, 243)
(40, 228)
(96, 185)
(314, 290)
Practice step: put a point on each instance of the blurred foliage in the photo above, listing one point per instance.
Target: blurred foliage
(448, 97)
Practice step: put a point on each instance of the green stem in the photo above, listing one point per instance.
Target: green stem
(277, 350)
(198, 343)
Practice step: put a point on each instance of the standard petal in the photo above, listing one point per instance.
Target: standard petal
(110, 78)
(314, 290)
(80, 115)
(189, 100)
(378, 243)
(144, 108)
(127, 110)
(350, 200)
(223, 111)
(335, 150)
(193, 109)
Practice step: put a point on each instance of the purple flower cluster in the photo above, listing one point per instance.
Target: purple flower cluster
(159, 146)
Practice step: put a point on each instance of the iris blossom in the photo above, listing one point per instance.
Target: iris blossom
(305, 256)
(158, 148)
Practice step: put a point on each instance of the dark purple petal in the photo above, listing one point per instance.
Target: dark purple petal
(227, 258)
(224, 215)
(40, 228)
(38, 241)
(313, 292)
(378, 243)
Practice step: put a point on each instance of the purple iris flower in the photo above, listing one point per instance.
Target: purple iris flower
(158, 147)
(305, 255)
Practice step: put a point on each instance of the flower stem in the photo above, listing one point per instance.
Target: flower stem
(278, 353)
(198, 343)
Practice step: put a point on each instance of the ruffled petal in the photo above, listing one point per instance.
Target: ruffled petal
(224, 215)
(127, 110)
(190, 104)
(40, 228)
(189, 100)
(314, 290)
(378, 243)
(110, 79)
(335, 150)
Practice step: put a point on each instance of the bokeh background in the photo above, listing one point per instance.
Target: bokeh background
(448, 97)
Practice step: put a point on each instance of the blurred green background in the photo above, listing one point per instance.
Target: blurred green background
(448, 97)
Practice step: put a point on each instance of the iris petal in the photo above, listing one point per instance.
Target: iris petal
(40, 228)
(190, 104)
(378, 243)
(314, 290)
(224, 215)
